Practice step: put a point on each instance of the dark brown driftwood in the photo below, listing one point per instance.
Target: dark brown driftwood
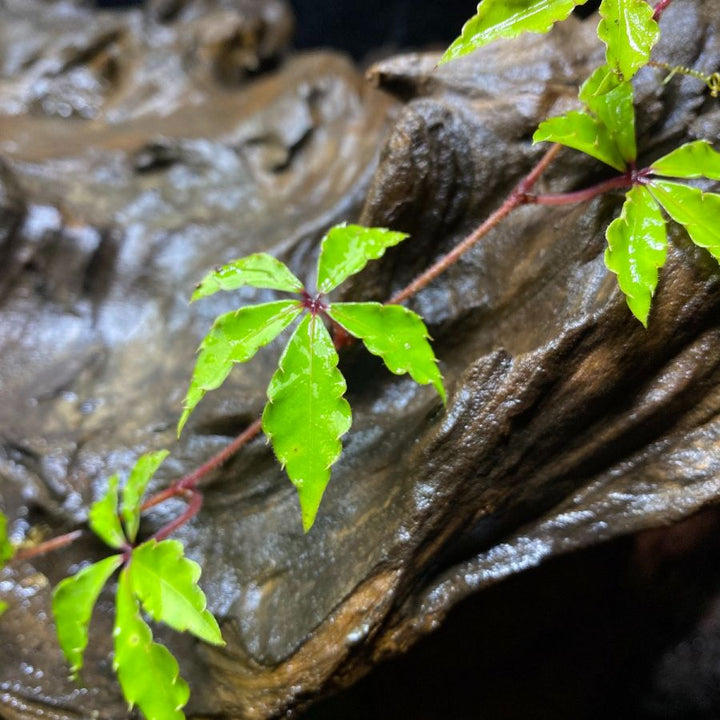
(141, 150)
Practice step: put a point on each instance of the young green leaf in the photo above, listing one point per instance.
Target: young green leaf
(306, 414)
(629, 32)
(692, 160)
(346, 249)
(581, 131)
(602, 81)
(166, 583)
(6, 549)
(103, 518)
(637, 247)
(259, 270)
(6, 552)
(611, 101)
(132, 493)
(696, 211)
(148, 673)
(396, 334)
(73, 601)
(234, 338)
(506, 19)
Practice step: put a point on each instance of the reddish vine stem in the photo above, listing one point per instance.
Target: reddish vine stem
(55, 543)
(615, 183)
(190, 481)
(660, 8)
(516, 198)
(193, 508)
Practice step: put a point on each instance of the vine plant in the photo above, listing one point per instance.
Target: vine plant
(306, 414)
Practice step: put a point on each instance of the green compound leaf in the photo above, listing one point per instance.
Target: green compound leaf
(346, 249)
(696, 211)
(396, 334)
(6, 549)
(234, 338)
(73, 601)
(629, 32)
(583, 132)
(103, 518)
(3, 607)
(506, 19)
(132, 493)
(637, 247)
(306, 414)
(692, 160)
(611, 101)
(166, 583)
(148, 673)
(259, 270)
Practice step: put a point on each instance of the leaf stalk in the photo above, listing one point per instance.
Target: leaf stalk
(56, 543)
(516, 198)
(193, 508)
(660, 8)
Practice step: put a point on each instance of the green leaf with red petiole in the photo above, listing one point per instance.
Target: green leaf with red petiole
(306, 414)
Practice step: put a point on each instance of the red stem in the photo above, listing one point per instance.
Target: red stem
(660, 8)
(193, 508)
(622, 181)
(55, 543)
(516, 198)
(190, 481)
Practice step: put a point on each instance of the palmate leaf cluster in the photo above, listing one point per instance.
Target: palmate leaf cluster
(306, 414)
(637, 240)
(156, 578)
(605, 130)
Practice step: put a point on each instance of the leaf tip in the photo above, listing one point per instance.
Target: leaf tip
(438, 384)
(309, 506)
(181, 422)
(308, 520)
(640, 310)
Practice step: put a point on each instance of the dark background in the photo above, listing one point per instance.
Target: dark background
(360, 26)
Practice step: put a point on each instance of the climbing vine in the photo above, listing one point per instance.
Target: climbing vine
(306, 414)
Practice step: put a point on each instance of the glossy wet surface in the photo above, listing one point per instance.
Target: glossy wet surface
(143, 150)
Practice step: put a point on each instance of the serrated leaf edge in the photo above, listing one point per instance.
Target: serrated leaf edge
(125, 586)
(131, 515)
(105, 568)
(176, 549)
